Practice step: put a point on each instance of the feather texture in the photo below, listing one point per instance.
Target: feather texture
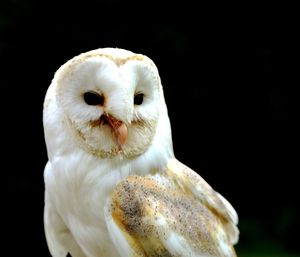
(161, 215)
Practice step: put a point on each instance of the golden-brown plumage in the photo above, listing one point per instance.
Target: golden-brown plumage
(149, 209)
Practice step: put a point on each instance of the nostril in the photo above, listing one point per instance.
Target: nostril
(104, 119)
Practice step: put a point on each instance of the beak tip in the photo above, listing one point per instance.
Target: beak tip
(122, 134)
(119, 128)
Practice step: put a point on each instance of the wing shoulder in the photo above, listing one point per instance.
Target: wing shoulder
(149, 216)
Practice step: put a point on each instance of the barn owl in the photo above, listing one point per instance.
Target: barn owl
(113, 186)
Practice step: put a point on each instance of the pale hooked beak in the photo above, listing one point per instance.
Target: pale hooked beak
(119, 128)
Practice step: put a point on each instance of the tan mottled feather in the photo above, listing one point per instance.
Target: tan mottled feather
(150, 210)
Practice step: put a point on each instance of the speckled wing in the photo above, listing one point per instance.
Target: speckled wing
(190, 182)
(164, 215)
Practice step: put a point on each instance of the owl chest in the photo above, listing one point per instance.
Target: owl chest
(80, 193)
(83, 192)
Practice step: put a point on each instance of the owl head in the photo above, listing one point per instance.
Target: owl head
(109, 102)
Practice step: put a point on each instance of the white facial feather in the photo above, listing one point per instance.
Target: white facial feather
(107, 128)
(117, 80)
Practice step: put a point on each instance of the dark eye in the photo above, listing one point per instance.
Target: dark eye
(138, 99)
(93, 98)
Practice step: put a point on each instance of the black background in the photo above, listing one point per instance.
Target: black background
(230, 78)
